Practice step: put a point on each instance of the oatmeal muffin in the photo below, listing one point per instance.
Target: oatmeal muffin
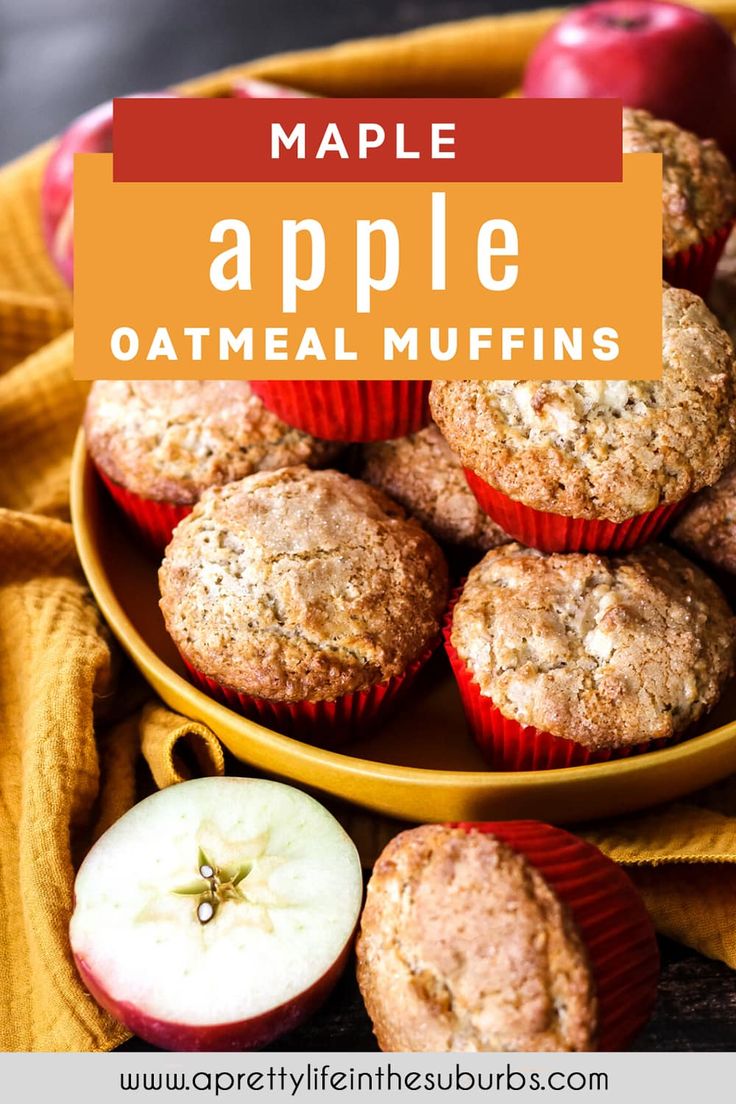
(560, 657)
(708, 526)
(302, 586)
(424, 475)
(470, 941)
(159, 443)
(169, 440)
(698, 184)
(599, 450)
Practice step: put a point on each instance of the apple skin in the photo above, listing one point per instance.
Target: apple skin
(674, 61)
(90, 133)
(136, 938)
(251, 1034)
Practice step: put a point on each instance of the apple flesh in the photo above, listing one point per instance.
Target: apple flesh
(217, 914)
(678, 63)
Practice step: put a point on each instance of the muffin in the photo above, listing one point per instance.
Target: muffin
(423, 474)
(349, 410)
(306, 599)
(698, 197)
(569, 659)
(708, 526)
(599, 465)
(503, 937)
(158, 444)
(722, 298)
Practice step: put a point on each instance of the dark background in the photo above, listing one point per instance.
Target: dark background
(60, 57)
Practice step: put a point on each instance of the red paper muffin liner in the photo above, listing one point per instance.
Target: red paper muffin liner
(610, 917)
(511, 746)
(153, 521)
(693, 268)
(323, 723)
(349, 410)
(557, 533)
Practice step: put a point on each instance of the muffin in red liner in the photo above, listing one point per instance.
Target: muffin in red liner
(557, 533)
(510, 746)
(573, 465)
(560, 660)
(693, 268)
(154, 521)
(349, 410)
(158, 444)
(698, 196)
(503, 937)
(305, 599)
(323, 723)
(610, 916)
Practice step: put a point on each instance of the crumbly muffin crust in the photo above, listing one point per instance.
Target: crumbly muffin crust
(698, 184)
(604, 448)
(708, 526)
(464, 947)
(168, 440)
(423, 474)
(301, 585)
(606, 652)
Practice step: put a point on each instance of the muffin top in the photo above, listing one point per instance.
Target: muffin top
(169, 440)
(604, 448)
(698, 184)
(606, 652)
(708, 526)
(301, 585)
(424, 475)
(464, 947)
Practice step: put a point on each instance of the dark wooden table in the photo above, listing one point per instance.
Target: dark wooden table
(696, 1011)
(57, 59)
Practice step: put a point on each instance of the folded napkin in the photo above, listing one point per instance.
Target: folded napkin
(81, 741)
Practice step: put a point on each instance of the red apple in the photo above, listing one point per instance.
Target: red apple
(216, 914)
(251, 89)
(676, 62)
(90, 133)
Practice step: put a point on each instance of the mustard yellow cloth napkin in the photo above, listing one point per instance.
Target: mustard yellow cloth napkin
(78, 741)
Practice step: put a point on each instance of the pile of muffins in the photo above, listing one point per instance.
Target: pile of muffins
(310, 531)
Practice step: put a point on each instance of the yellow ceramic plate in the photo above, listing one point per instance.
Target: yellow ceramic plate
(421, 766)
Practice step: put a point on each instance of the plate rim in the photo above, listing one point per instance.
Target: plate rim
(158, 673)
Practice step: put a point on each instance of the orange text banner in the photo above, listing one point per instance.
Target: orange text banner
(368, 280)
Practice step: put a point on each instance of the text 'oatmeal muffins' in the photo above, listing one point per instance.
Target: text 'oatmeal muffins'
(503, 937)
(698, 196)
(567, 659)
(598, 465)
(423, 474)
(159, 443)
(304, 598)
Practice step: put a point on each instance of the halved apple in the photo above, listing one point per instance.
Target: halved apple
(217, 914)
